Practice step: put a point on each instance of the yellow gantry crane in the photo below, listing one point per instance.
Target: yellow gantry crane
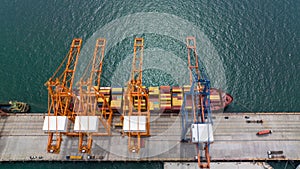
(60, 97)
(136, 112)
(92, 105)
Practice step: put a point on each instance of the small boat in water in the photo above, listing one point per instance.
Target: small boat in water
(15, 107)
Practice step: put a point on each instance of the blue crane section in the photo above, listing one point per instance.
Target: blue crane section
(197, 117)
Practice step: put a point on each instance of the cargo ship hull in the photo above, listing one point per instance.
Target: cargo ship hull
(219, 99)
(164, 99)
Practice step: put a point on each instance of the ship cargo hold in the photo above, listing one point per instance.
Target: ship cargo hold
(164, 99)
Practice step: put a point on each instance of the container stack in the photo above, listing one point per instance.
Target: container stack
(188, 104)
(165, 98)
(154, 98)
(143, 102)
(106, 92)
(125, 106)
(215, 99)
(177, 98)
(116, 99)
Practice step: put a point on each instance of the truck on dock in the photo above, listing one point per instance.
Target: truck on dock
(74, 157)
(263, 132)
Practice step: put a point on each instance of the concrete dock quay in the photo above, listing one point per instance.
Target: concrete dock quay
(218, 165)
(235, 139)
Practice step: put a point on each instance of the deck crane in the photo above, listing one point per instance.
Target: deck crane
(197, 119)
(136, 110)
(60, 98)
(92, 105)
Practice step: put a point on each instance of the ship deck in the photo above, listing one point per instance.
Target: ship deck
(21, 136)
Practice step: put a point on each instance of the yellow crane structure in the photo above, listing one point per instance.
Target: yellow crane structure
(60, 96)
(136, 110)
(92, 103)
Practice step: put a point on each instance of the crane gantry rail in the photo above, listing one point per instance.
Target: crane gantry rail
(197, 119)
(136, 111)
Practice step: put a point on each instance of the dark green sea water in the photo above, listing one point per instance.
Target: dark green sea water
(249, 48)
(87, 165)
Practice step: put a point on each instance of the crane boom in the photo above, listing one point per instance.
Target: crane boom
(90, 94)
(136, 110)
(60, 94)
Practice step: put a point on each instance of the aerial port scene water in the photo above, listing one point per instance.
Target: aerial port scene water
(150, 84)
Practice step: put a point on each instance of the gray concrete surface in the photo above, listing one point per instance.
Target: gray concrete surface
(21, 136)
(218, 165)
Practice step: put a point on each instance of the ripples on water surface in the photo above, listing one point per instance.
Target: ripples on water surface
(257, 43)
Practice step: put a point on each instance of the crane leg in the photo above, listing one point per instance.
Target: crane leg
(85, 147)
(54, 147)
(207, 157)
